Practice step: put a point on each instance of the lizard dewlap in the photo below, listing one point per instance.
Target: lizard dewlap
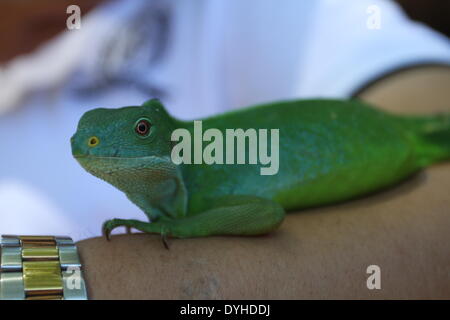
(328, 151)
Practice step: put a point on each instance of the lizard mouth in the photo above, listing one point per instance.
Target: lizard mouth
(114, 164)
(90, 156)
(79, 156)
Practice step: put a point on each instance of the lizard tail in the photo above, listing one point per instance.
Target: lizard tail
(431, 135)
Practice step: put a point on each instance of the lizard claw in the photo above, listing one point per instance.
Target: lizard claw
(164, 239)
(107, 227)
(128, 229)
(107, 234)
(110, 225)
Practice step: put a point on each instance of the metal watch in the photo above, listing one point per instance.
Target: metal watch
(40, 268)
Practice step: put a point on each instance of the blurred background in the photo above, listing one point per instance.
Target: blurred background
(25, 24)
(200, 57)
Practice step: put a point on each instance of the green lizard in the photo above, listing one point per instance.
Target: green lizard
(329, 151)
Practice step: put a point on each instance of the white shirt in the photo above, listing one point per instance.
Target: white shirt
(200, 57)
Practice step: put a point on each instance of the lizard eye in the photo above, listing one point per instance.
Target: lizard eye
(142, 127)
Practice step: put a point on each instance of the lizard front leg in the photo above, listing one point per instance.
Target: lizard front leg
(231, 215)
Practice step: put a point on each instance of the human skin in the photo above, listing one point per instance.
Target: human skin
(316, 253)
(321, 253)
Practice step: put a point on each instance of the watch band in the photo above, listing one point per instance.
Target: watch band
(40, 268)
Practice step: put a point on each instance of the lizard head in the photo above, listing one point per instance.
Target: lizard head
(127, 132)
(114, 144)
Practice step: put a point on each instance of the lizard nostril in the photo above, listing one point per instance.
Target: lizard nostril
(93, 141)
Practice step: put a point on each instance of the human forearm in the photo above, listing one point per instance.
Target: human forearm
(320, 253)
(421, 89)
